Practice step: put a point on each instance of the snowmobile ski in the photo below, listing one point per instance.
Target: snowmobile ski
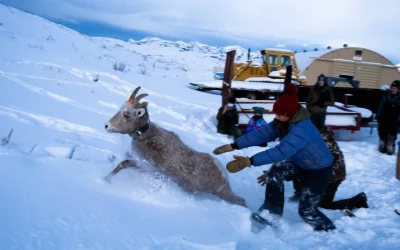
(397, 211)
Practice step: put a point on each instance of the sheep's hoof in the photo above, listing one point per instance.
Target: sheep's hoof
(107, 179)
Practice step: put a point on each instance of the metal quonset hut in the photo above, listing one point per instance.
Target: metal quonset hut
(370, 68)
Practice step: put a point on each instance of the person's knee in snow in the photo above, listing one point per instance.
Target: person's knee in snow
(339, 175)
(308, 203)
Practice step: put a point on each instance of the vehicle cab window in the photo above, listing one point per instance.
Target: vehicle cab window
(264, 59)
(285, 60)
(273, 59)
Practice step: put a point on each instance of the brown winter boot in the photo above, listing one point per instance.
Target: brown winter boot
(382, 146)
(390, 145)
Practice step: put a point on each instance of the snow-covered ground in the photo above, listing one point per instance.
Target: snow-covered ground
(51, 190)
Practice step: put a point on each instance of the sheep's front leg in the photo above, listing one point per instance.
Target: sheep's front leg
(124, 164)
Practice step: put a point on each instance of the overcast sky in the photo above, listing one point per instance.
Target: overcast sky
(373, 24)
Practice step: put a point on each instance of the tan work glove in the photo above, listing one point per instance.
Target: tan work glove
(239, 164)
(262, 179)
(223, 149)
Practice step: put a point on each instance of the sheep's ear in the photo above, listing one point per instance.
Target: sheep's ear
(145, 104)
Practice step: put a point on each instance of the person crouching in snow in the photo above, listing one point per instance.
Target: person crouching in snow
(300, 143)
(256, 121)
(339, 175)
(228, 119)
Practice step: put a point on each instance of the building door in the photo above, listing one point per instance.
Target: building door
(369, 75)
(343, 68)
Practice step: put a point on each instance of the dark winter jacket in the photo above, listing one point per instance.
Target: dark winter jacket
(302, 144)
(319, 98)
(339, 167)
(389, 109)
(227, 120)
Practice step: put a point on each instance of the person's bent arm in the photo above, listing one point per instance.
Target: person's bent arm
(289, 146)
(264, 134)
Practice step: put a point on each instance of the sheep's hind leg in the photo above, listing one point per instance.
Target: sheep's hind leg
(122, 165)
(226, 194)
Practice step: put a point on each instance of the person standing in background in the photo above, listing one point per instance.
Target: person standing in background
(318, 100)
(388, 119)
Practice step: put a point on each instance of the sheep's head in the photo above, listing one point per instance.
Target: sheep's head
(131, 117)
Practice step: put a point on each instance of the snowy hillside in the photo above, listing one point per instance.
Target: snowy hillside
(193, 60)
(57, 90)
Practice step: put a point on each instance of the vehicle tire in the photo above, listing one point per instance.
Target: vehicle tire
(251, 95)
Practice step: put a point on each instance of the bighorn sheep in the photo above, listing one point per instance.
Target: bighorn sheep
(193, 171)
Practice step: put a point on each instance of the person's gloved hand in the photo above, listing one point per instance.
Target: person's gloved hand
(223, 149)
(262, 178)
(238, 164)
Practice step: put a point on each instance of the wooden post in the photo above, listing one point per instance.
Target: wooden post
(346, 99)
(288, 75)
(228, 76)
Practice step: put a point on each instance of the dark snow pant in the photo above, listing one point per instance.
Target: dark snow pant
(318, 119)
(387, 128)
(313, 184)
(327, 202)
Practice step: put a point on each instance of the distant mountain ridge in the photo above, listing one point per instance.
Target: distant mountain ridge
(213, 51)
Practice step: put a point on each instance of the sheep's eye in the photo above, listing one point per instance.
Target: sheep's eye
(140, 112)
(126, 115)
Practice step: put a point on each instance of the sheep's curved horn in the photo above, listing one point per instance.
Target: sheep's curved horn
(137, 99)
(133, 96)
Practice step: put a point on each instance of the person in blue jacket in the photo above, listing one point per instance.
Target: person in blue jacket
(300, 144)
(256, 121)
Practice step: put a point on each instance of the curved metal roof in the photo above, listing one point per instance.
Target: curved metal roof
(305, 59)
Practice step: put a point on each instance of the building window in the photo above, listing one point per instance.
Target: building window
(357, 55)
